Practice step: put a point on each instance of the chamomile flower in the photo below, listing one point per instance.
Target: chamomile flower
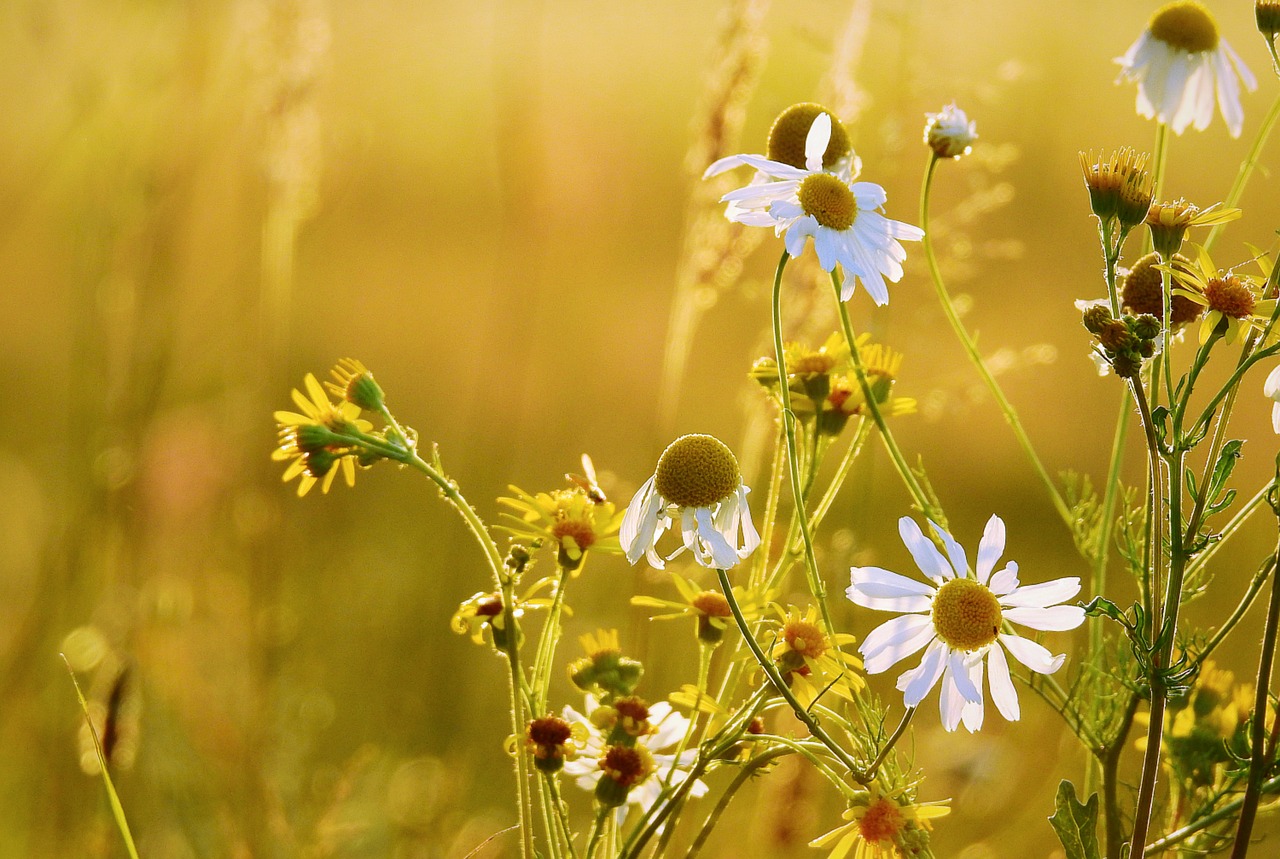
(956, 619)
(1271, 389)
(623, 748)
(842, 216)
(697, 483)
(882, 825)
(949, 132)
(1179, 63)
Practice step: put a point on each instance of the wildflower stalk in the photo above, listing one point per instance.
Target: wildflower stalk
(1224, 812)
(117, 808)
(890, 743)
(1246, 602)
(798, 491)
(552, 787)
(1109, 758)
(1101, 546)
(975, 357)
(597, 830)
(1242, 515)
(1257, 726)
(1246, 169)
(780, 684)
(748, 771)
(1159, 159)
(921, 498)
(547, 641)
(704, 665)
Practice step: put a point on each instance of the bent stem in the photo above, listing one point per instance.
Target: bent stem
(781, 687)
(975, 357)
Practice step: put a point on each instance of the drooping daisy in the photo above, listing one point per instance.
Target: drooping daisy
(697, 483)
(623, 748)
(1180, 62)
(882, 825)
(841, 215)
(956, 619)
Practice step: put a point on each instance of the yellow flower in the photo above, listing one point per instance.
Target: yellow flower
(569, 518)
(709, 608)
(481, 614)
(315, 441)
(813, 662)
(1233, 300)
(882, 825)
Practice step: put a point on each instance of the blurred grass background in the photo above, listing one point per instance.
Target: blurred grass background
(488, 203)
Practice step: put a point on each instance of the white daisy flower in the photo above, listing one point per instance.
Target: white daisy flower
(949, 132)
(654, 728)
(786, 145)
(841, 215)
(697, 483)
(956, 620)
(1271, 389)
(1179, 63)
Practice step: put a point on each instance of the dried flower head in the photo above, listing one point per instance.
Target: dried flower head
(1119, 186)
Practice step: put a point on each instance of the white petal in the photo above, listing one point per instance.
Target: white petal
(727, 163)
(717, 548)
(959, 561)
(960, 677)
(950, 700)
(800, 230)
(825, 243)
(1005, 581)
(990, 549)
(1002, 691)
(750, 537)
(895, 640)
(872, 587)
(1044, 594)
(1055, 618)
(1032, 655)
(640, 523)
(916, 683)
(815, 142)
(1271, 387)
(925, 554)
(974, 711)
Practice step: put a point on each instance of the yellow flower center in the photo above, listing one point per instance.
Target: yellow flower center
(696, 471)
(1185, 25)
(1230, 297)
(805, 638)
(881, 822)
(829, 200)
(966, 614)
(712, 604)
(791, 128)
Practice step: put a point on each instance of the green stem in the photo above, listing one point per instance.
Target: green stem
(547, 645)
(1246, 602)
(1246, 168)
(1242, 515)
(918, 494)
(597, 830)
(1110, 760)
(552, 787)
(1222, 813)
(890, 743)
(1110, 492)
(1159, 161)
(816, 585)
(748, 771)
(975, 357)
(781, 687)
(1258, 763)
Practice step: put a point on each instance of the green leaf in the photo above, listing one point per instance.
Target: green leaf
(1076, 824)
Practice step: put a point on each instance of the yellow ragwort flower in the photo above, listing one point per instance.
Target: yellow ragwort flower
(315, 440)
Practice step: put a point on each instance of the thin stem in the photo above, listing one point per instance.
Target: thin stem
(918, 494)
(780, 684)
(1242, 515)
(1155, 539)
(747, 772)
(1258, 763)
(1246, 168)
(890, 743)
(816, 585)
(1110, 779)
(552, 787)
(975, 357)
(1110, 492)
(1246, 602)
(547, 645)
(1222, 813)
(597, 830)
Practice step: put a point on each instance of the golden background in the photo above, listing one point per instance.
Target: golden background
(487, 203)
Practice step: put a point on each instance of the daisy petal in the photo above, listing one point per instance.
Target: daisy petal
(926, 555)
(1032, 655)
(1044, 594)
(990, 549)
(1055, 618)
(1002, 691)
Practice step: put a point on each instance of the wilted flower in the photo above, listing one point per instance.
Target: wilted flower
(697, 483)
(1179, 62)
(949, 132)
(1142, 291)
(956, 619)
(1119, 186)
